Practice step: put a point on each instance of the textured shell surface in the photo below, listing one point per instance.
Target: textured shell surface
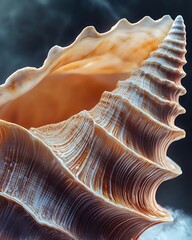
(84, 138)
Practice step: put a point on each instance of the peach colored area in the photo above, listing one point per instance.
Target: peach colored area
(73, 78)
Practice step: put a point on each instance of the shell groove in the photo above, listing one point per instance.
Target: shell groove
(95, 175)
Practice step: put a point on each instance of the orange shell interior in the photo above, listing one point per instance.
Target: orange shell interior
(73, 78)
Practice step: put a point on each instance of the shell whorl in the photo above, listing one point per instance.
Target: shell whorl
(147, 92)
(95, 175)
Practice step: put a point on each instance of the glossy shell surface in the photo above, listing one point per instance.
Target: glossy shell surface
(95, 175)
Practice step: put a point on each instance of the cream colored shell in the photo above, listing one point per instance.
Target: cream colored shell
(95, 175)
(74, 77)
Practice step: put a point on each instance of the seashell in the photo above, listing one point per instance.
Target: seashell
(95, 175)
(83, 71)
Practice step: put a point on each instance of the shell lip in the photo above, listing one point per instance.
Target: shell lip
(38, 74)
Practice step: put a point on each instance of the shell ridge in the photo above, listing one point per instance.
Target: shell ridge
(156, 100)
(32, 215)
(48, 143)
(168, 90)
(114, 211)
(160, 123)
(167, 133)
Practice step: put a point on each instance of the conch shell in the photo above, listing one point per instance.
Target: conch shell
(95, 175)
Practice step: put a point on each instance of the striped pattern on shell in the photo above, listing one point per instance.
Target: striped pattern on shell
(95, 175)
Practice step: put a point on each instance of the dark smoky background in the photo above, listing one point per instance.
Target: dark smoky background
(28, 29)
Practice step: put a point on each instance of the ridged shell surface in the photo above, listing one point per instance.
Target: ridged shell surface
(93, 176)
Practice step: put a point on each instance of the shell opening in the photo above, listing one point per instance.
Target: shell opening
(73, 78)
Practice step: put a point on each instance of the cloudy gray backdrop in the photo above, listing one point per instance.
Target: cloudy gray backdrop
(28, 29)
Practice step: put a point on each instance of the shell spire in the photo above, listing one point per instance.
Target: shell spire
(95, 175)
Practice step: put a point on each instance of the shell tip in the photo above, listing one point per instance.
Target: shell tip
(179, 19)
